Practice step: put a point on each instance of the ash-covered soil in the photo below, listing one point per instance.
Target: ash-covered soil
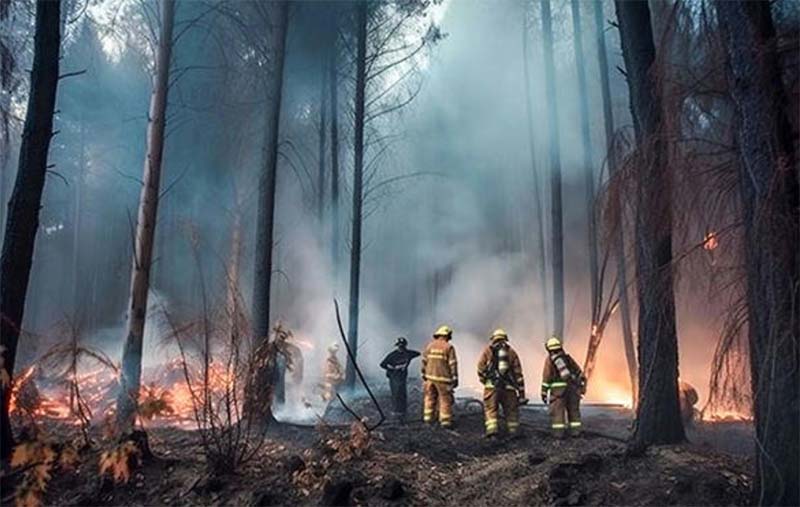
(413, 464)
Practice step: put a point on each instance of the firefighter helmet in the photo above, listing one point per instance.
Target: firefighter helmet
(443, 331)
(554, 343)
(499, 334)
(401, 342)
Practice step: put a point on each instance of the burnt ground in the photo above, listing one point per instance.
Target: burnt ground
(412, 464)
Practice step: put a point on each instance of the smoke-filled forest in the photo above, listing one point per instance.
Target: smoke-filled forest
(399, 252)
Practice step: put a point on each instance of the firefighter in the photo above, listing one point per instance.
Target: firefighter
(440, 377)
(289, 358)
(396, 366)
(334, 374)
(563, 384)
(500, 372)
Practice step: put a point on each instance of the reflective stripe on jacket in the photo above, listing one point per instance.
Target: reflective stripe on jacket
(552, 381)
(514, 374)
(439, 363)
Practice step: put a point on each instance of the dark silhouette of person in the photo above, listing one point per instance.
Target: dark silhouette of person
(396, 366)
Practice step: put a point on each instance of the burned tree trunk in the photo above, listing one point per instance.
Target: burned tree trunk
(323, 110)
(537, 187)
(23, 208)
(588, 171)
(130, 380)
(255, 406)
(358, 190)
(658, 418)
(768, 187)
(333, 82)
(557, 233)
(618, 238)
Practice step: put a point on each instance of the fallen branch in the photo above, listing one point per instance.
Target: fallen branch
(358, 372)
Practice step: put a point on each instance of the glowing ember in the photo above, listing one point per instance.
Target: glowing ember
(710, 241)
(165, 396)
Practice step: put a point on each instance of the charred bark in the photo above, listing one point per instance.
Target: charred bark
(358, 190)
(263, 373)
(557, 233)
(658, 418)
(322, 155)
(618, 238)
(768, 188)
(130, 380)
(333, 82)
(537, 186)
(23, 208)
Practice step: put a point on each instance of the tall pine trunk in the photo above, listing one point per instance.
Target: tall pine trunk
(77, 223)
(130, 380)
(358, 191)
(588, 169)
(618, 237)
(557, 233)
(658, 418)
(768, 186)
(537, 186)
(26, 200)
(333, 82)
(7, 67)
(263, 377)
(322, 155)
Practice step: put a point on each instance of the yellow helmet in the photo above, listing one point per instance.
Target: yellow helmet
(443, 331)
(499, 334)
(554, 343)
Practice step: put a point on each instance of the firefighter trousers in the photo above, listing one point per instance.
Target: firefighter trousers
(493, 401)
(398, 388)
(438, 401)
(565, 411)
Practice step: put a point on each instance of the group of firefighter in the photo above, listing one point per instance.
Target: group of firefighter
(500, 371)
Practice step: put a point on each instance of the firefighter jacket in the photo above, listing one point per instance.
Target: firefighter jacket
(333, 370)
(439, 363)
(396, 363)
(492, 371)
(560, 372)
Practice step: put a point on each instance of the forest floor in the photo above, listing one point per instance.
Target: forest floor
(413, 464)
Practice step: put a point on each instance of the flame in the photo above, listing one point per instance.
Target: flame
(602, 390)
(43, 399)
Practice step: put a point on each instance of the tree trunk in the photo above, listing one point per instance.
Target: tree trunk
(358, 169)
(768, 186)
(76, 231)
(618, 238)
(333, 82)
(323, 110)
(7, 66)
(537, 187)
(233, 301)
(588, 170)
(130, 380)
(23, 208)
(263, 376)
(557, 233)
(658, 418)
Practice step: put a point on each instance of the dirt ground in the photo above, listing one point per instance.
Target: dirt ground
(413, 464)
